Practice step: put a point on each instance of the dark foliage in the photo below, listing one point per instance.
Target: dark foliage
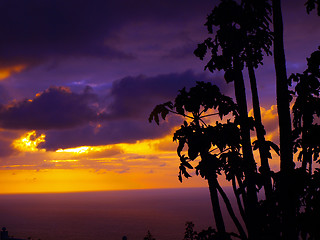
(149, 236)
(214, 136)
(312, 4)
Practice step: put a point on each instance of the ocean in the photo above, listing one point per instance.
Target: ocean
(108, 215)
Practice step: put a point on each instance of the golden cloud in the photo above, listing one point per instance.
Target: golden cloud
(8, 71)
(29, 142)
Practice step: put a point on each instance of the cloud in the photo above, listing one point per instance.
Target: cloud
(125, 119)
(116, 158)
(5, 148)
(119, 114)
(8, 71)
(270, 122)
(36, 30)
(181, 52)
(4, 94)
(6, 139)
(122, 131)
(54, 108)
(135, 97)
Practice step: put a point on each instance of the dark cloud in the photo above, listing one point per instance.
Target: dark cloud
(6, 139)
(4, 95)
(135, 97)
(5, 148)
(122, 131)
(126, 121)
(128, 99)
(35, 30)
(56, 107)
(78, 36)
(181, 52)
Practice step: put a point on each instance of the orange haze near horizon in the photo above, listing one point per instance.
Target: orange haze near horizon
(147, 164)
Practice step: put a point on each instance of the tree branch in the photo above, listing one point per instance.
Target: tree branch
(231, 212)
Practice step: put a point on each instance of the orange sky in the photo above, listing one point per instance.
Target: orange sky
(61, 88)
(146, 164)
(141, 165)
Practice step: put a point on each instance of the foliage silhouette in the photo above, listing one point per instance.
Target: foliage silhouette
(148, 236)
(241, 38)
(311, 5)
(207, 234)
(216, 146)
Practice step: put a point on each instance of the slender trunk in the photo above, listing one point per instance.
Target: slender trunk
(231, 212)
(250, 169)
(241, 210)
(212, 182)
(287, 201)
(307, 120)
(263, 150)
(306, 159)
(282, 90)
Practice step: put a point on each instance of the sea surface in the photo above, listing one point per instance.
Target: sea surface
(106, 215)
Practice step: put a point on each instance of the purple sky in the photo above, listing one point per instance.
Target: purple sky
(99, 67)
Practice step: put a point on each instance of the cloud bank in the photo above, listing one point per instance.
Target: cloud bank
(116, 115)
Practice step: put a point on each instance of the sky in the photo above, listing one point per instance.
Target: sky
(78, 80)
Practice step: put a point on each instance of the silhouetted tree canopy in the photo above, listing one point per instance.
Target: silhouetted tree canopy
(214, 137)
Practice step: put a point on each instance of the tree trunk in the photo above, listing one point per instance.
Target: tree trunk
(231, 212)
(237, 195)
(287, 201)
(265, 168)
(212, 182)
(250, 169)
(306, 157)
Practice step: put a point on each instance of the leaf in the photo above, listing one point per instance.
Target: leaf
(186, 174)
(229, 75)
(180, 177)
(274, 147)
(193, 152)
(181, 145)
(184, 171)
(164, 113)
(184, 162)
(161, 109)
(154, 116)
(300, 156)
(201, 51)
(255, 145)
(188, 165)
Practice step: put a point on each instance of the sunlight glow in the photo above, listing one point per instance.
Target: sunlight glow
(140, 147)
(29, 142)
(60, 161)
(137, 165)
(84, 149)
(78, 150)
(144, 147)
(6, 72)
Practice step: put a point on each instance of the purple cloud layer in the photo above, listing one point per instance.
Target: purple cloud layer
(133, 97)
(36, 30)
(126, 117)
(133, 54)
(55, 108)
(119, 114)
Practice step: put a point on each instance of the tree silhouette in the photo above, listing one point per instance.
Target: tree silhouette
(241, 37)
(311, 5)
(212, 144)
(206, 234)
(287, 201)
(306, 110)
(148, 236)
(243, 34)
